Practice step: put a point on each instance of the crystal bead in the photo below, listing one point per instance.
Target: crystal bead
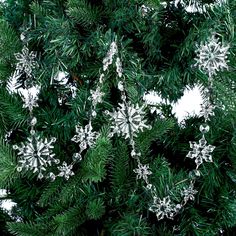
(19, 168)
(33, 121)
(204, 128)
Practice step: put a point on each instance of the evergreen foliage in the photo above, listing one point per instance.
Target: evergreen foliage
(157, 49)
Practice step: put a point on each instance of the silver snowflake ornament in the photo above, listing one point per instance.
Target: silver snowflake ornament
(65, 170)
(189, 193)
(142, 172)
(128, 120)
(164, 208)
(26, 61)
(212, 56)
(201, 151)
(85, 136)
(36, 155)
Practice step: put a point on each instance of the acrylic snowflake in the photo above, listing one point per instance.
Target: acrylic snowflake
(36, 155)
(207, 110)
(26, 61)
(142, 172)
(128, 120)
(201, 151)
(212, 56)
(65, 170)
(30, 97)
(86, 137)
(164, 208)
(96, 96)
(189, 193)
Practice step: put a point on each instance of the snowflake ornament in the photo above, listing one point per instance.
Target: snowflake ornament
(30, 97)
(128, 120)
(207, 109)
(212, 56)
(26, 61)
(164, 208)
(96, 96)
(86, 137)
(36, 155)
(65, 170)
(201, 151)
(189, 193)
(142, 172)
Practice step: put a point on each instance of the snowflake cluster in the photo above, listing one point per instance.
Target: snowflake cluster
(212, 56)
(36, 154)
(128, 120)
(86, 137)
(201, 151)
(164, 208)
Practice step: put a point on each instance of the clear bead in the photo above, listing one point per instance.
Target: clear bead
(32, 132)
(204, 128)
(33, 121)
(19, 168)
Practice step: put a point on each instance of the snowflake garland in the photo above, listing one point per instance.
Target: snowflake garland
(212, 56)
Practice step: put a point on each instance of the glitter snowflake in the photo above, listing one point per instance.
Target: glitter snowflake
(212, 56)
(128, 120)
(26, 61)
(189, 193)
(36, 155)
(142, 172)
(164, 208)
(86, 137)
(201, 151)
(65, 170)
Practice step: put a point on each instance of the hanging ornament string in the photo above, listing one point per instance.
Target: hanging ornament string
(127, 121)
(211, 58)
(36, 154)
(85, 136)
